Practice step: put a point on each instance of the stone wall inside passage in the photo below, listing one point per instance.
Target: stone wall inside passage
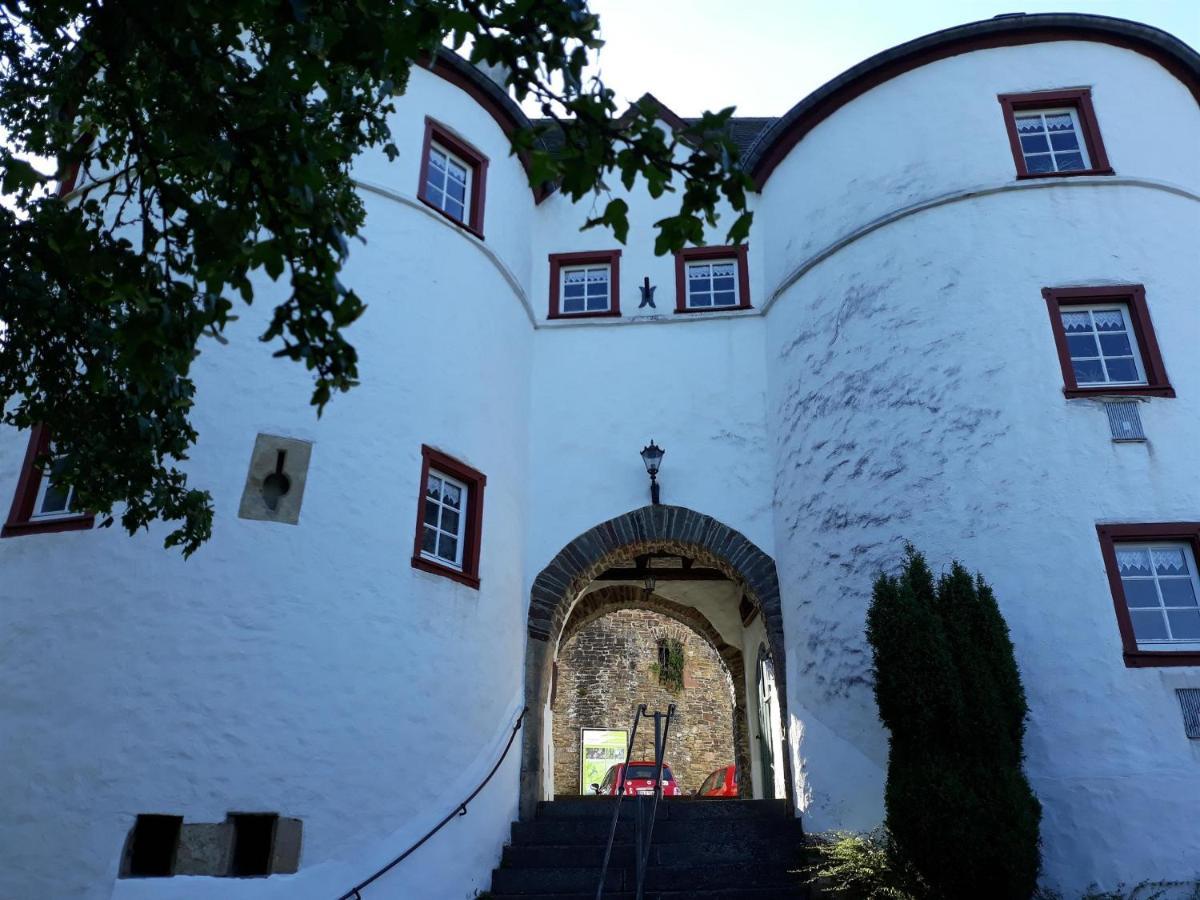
(608, 667)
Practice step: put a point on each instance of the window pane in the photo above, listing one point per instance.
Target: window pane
(455, 209)
(1035, 143)
(1038, 164)
(573, 304)
(431, 512)
(1082, 345)
(428, 540)
(1088, 371)
(723, 284)
(1059, 122)
(1177, 592)
(1148, 626)
(701, 299)
(1070, 162)
(450, 521)
(448, 548)
(1064, 141)
(1170, 560)
(573, 290)
(1109, 319)
(1122, 369)
(1076, 321)
(451, 495)
(1140, 593)
(433, 487)
(55, 500)
(1028, 124)
(1133, 561)
(1115, 345)
(724, 299)
(457, 191)
(1185, 624)
(597, 304)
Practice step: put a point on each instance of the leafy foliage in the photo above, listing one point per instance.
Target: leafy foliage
(669, 668)
(217, 141)
(863, 867)
(959, 808)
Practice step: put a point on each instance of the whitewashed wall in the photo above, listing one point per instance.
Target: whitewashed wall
(905, 387)
(915, 393)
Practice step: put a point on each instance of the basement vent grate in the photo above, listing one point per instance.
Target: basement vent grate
(1124, 420)
(1189, 699)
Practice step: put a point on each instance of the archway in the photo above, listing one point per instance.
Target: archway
(598, 603)
(648, 530)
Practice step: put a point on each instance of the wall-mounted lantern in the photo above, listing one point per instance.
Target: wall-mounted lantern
(652, 456)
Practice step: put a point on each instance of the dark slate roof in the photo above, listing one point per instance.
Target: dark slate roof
(744, 130)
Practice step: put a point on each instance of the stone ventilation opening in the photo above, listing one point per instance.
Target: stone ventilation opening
(152, 846)
(253, 843)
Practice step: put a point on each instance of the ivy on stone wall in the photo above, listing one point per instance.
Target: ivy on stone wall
(669, 668)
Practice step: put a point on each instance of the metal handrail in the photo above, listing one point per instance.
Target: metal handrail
(612, 831)
(660, 747)
(461, 810)
(644, 833)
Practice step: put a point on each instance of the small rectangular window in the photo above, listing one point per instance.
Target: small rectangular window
(711, 279)
(39, 505)
(585, 285)
(449, 518)
(1102, 345)
(1054, 133)
(585, 289)
(712, 284)
(1153, 577)
(446, 508)
(448, 182)
(1051, 140)
(453, 177)
(1106, 342)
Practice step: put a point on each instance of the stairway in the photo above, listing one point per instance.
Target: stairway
(706, 849)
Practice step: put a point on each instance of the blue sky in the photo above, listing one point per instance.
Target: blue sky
(765, 55)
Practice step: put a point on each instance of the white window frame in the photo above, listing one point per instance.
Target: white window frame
(720, 260)
(440, 196)
(1171, 644)
(584, 267)
(463, 511)
(1130, 333)
(66, 512)
(1050, 151)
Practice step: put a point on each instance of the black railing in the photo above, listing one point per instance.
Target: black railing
(643, 830)
(355, 893)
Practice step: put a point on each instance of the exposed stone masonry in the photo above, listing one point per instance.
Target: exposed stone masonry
(606, 669)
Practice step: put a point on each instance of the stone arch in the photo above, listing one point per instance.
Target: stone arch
(672, 529)
(596, 604)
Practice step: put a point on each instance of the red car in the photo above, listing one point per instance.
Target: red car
(721, 783)
(640, 780)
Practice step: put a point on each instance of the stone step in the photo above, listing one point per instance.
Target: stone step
(800, 893)
(738, 849)
(670, 831)
(658, 878)
(674, 808)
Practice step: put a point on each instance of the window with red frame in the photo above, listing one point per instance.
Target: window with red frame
(449, 518)
(585, 285)
(453, 177)
(39, 505)
(1106, 342)
(711, 279)
(1152, 573)
(1054, 133)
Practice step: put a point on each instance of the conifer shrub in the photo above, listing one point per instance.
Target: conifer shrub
(959, 809)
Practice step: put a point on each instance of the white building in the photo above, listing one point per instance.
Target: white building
(886, 361)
